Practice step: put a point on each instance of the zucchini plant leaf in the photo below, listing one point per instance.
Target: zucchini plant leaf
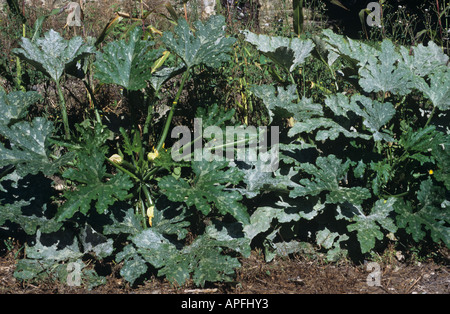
(263, 217)
(375, 115)
(53, 54)
(289, 53)
(283, 103)
(206, 45)
(441, 153)
(30, 150)
(14, 105)
(438, 91)
(90, 173)
(354, 51)
(428, 215)
(331, 242)
(29, 223)
(327, 129)
(367, 227)
(327, 173)
(127, 223)
(385, 74)
(94, 186)
(424, 60)
(127, 64)
(133, 266)
(203, 258)
(207, 189)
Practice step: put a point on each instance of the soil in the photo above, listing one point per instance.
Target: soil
(295, 275)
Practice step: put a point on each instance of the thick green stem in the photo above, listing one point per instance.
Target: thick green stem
(147, 123)
(172, 111)
(63, 111)
(132, 175)
(132, 97)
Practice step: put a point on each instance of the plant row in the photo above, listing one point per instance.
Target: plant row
(363, 162)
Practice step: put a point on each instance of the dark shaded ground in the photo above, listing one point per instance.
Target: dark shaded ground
(295, 275)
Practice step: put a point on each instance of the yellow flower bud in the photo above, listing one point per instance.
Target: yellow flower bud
(430, 172)
(117, 159)
(153, 155)
(150, 214)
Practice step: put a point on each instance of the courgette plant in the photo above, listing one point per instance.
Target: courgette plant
(131, 65)
(53, 55)
(378, 157)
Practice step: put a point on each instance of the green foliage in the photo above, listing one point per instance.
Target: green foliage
(207, 189)
(90, 173)
(53, 54)
(367, 227)
(30, 152)
(14, 106)
(374, 145)
(289, 53)
(364, 159)
(431, 213)
(127, 63)
(207, 44)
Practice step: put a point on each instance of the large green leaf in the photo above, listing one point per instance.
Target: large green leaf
(203, 258)
(438, 91)
(94, 186)
(29, 223)
(287, 52)
(375, 115)
(385, 74)
(429, 214)
(30, 150)
(53, 54)
(367, 227)
(206, 45)
(424, 60)
(283, 103)
(208, 189)
(14, 105)
(90, 173)
(441, 153)
(351, 50)
(127, 64)
(326, 177)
